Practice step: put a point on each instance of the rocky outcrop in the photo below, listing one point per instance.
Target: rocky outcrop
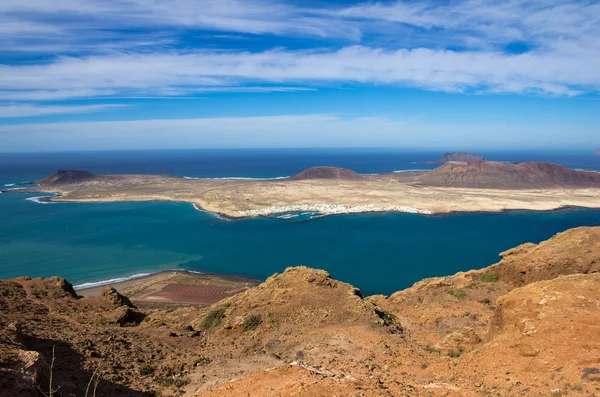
(327, 173)
(499, 175)
(52, 287)
(112, 296)
(574, 251)
(62, 177)
(42, 319)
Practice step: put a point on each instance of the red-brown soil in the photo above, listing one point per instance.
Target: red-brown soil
(488, 332)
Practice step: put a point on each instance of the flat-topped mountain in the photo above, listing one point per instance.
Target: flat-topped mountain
(327, 173)
(494, 174)
(455, 156)
(66, 176)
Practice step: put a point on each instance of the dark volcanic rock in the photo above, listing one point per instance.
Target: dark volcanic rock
(493, 174)
(327, 173)
(66, 176)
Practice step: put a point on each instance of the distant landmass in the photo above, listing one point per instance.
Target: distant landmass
(597, 152)
(327, 173)
(454, 186)
(65, 177)
(455, 156)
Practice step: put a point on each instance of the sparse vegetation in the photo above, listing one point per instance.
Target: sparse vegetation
(588, 372)
(457, 293)
(453, 354)
(51, 390)
(213, 318)
(486, 301)
(387, 317)
(489, 277)
(146, 369)
(251, 323)
(92, 385)
(431, 349)
(172, 381)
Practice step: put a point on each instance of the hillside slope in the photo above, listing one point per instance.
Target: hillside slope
(523, 326)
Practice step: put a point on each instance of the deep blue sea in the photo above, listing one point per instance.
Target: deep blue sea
(381, 253)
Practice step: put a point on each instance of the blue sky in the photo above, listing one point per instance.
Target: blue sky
(150, 74)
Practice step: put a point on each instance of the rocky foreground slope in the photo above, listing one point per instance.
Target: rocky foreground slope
(527, 325)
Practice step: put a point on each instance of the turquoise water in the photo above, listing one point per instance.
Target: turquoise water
(89, 242)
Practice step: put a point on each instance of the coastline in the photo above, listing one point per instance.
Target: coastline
(231, 198)
(320, 209)
(172, 287)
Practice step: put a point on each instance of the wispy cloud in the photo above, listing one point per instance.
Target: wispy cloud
(179, 73)
(13, 111)
(136, 47)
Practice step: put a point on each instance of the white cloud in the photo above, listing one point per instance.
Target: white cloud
(178, 73)
(14, 111)
(564, 36)
(43, 95)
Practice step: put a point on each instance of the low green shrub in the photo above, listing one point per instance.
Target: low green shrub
(213, 318)
(146, 369)
(251, 323)
(489, 277)
(457, 293)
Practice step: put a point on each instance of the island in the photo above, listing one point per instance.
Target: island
(597, 152)
(455, 156)
(452, 187)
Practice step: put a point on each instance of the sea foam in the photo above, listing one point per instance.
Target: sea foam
(38, 199)
(110, 281)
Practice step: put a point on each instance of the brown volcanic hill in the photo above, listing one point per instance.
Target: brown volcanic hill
(66, 176)
(327, 173)
(493, 174)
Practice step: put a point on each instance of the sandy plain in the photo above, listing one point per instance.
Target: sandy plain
(235, 198)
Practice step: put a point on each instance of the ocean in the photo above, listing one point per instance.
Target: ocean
(89, 243)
